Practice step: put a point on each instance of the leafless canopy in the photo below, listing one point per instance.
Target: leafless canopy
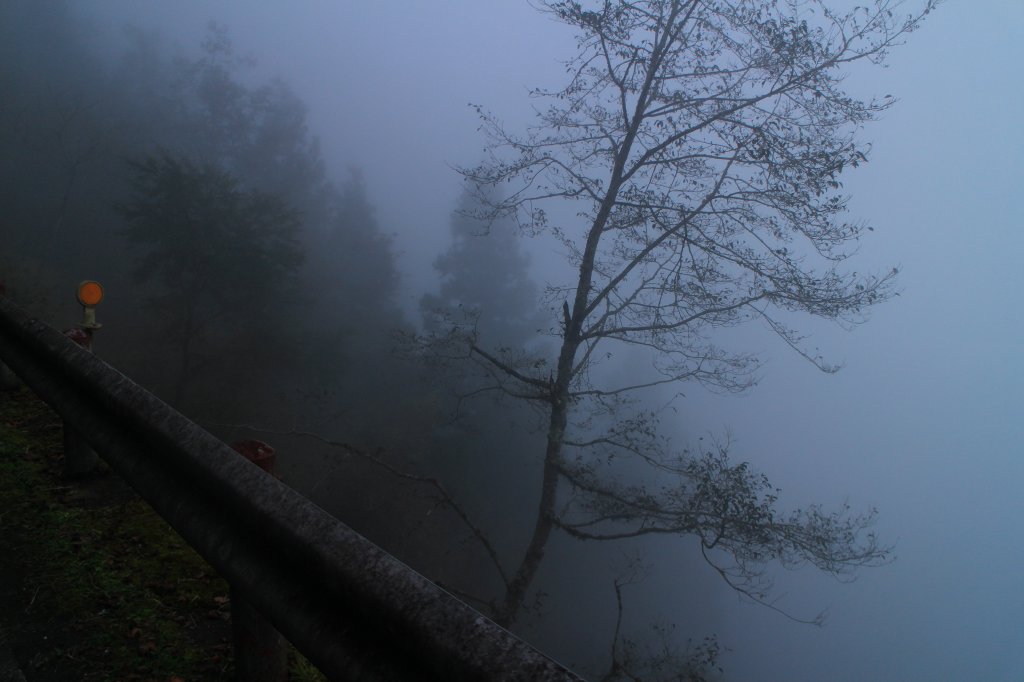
(701, 142)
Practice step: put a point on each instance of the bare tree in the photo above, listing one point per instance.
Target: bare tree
(659, 657)
(700, 144)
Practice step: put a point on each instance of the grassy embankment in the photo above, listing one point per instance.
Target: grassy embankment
(93, 584)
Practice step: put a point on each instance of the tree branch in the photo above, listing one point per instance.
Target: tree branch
(445, 497)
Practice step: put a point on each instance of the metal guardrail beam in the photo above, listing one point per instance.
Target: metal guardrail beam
(352, 609)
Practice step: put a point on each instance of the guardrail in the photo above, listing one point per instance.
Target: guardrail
(355, 611)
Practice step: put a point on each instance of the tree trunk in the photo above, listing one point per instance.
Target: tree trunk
(527, 571)
(571, 337)
(520, 583)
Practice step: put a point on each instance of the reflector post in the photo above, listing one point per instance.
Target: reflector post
(90, 293)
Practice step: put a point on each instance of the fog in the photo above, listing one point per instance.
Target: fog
(922, 422)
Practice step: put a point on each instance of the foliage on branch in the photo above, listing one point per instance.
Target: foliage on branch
(733, 511)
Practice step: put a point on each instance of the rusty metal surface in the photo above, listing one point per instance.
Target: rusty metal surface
(351, 608)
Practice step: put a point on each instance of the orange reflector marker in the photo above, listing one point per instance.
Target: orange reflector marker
(90, 293)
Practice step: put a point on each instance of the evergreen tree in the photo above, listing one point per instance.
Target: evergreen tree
(216, 257)
(485, 280)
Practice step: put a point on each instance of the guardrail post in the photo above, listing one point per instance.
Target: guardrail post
(260, 651)
(8, 379)
(79, 457)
